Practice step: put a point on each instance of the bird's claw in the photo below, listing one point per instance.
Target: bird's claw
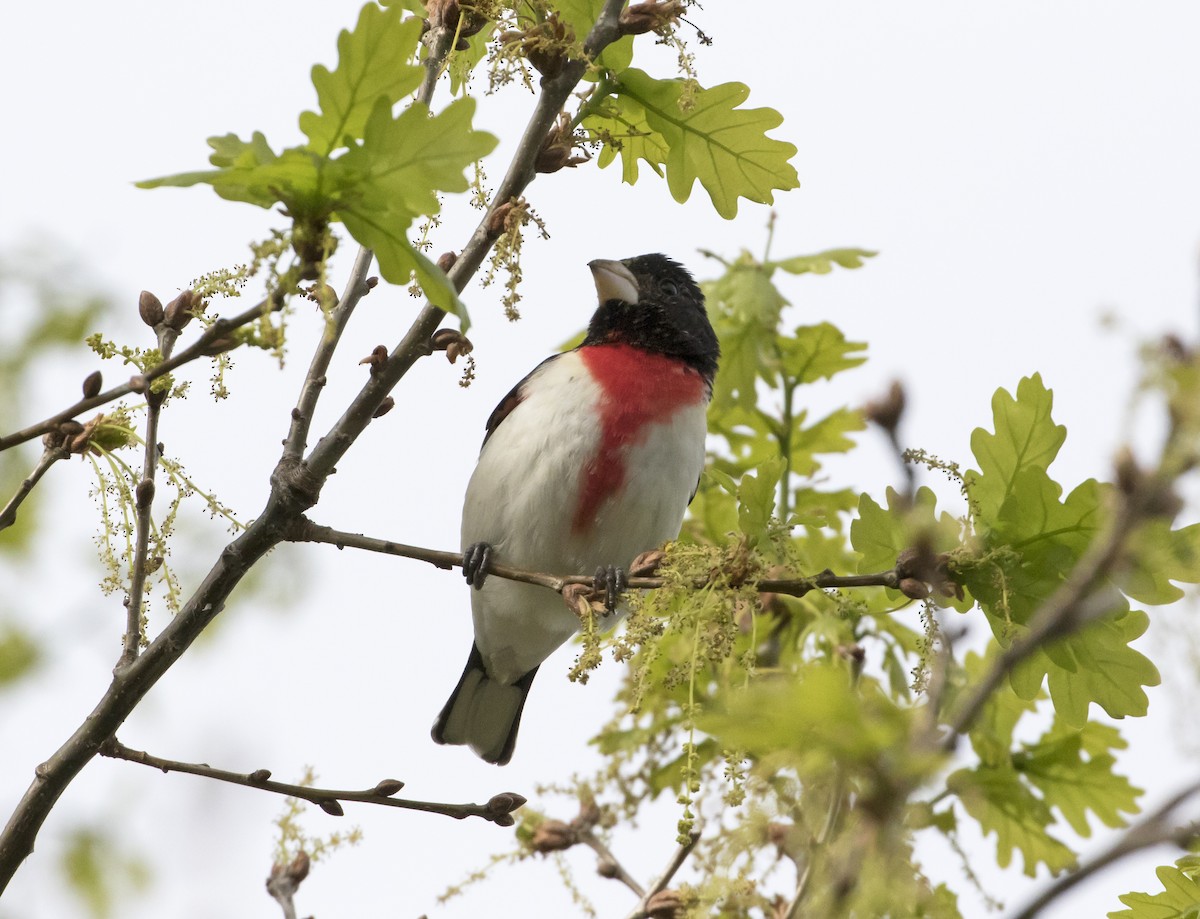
(612, 580)
(476, 559)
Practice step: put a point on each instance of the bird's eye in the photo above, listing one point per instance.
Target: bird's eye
(669, 288)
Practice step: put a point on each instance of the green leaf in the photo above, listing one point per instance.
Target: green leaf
(756, 498)
(1025, 437)
(373, 64)
(823, 262)
(1074, 785)
(1179, 899)
(404, 161)
(826, 435)
(1001, 803)
(253, 173)
(394, 176)
(620, 125)
(745, 308)
(879, 535)
(1097, 665)
(814, 719)
(817, 352)
(710, 139)
(1159, 555)
(399, 259)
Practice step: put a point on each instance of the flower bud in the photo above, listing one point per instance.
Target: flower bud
(150, 308)
(178, 313)
(331, 807)
(388, 787)
(91, 384)
(144, 492)
(552, 836)
(384, 407)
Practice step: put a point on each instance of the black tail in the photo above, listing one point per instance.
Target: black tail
(483, 713)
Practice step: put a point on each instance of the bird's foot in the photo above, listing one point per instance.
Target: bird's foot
(612, 581)
(476, 559)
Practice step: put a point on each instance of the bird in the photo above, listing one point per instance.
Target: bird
(589, 461)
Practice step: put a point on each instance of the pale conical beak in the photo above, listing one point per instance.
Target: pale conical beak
(614, 281)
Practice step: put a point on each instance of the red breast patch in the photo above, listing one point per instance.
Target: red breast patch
(639, 388)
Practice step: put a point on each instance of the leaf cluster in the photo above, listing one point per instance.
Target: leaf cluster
(809, 727)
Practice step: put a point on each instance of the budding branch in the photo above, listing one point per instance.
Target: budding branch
(498, 810)
(304, 530)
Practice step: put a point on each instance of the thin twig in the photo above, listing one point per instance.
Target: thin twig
(304, 530)
(295, 486)
(201, 347)
(144, 501)
(611, 863)
(314, 381)
(673, 866)
(327, 799)
(50, 456)
(284, 881)
(1152, 830)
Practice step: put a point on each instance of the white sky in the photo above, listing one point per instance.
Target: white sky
(1023, 168)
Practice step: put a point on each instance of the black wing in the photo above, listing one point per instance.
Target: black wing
(515, 397)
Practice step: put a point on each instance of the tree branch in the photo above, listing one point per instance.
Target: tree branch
(1152, 830)
(496, 810)
(50, 456)
(673, 866)
(144, 501)
(356, 288)
(139, 383)
(295, 484)
(284, 881)
(609, 866)
(1074, 605)
(304, 530)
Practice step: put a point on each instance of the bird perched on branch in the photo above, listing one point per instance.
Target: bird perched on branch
(588, 462)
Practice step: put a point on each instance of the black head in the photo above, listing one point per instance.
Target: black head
(652, 302)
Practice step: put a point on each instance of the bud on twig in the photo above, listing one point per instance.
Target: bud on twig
(455, 344)
(92, 383)
(446, 261)
(150, 308)
(886, 412)
(498, 219)
(384, 407)
(178, 313)
(331, 807)
(552, 836)
(258, 776)
(506, 802)
(376, 359)
(388, 787)
(666, 904)
(641, 18)
(145, 492)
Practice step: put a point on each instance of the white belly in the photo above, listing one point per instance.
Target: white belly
(522, 500)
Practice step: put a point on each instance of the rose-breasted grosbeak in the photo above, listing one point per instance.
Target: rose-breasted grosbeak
(588, 462)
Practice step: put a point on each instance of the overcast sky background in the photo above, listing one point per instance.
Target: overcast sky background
(1024, 170)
